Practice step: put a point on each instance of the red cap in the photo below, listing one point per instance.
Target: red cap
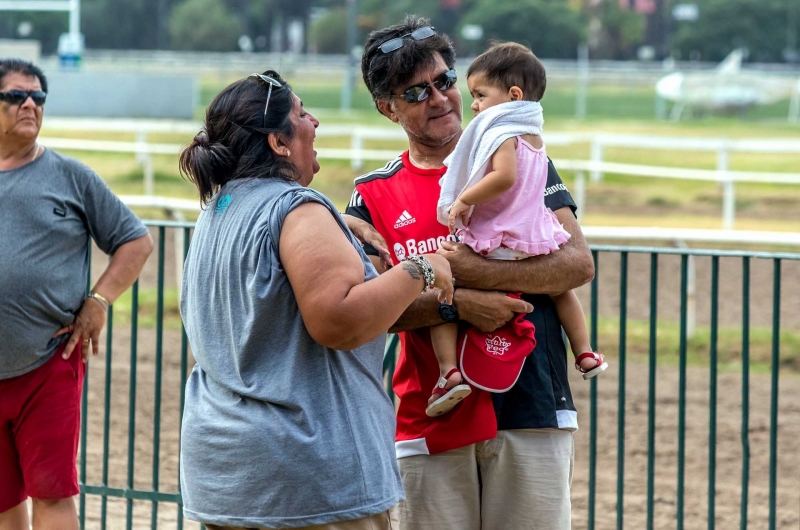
(493, 361)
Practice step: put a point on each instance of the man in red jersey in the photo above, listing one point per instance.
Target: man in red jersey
(497, 461)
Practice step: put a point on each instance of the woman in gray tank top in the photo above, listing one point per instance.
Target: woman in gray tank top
(287, 424)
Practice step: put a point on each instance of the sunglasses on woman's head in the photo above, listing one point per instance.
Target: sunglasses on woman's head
(396, 43)
(422, 91)
(271, 83)
(18, 97)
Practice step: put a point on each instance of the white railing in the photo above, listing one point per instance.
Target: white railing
(596, 167)
(679, 237)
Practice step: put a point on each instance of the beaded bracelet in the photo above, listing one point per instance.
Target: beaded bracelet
(425, 268)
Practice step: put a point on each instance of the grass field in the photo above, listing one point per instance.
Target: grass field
(616, 201)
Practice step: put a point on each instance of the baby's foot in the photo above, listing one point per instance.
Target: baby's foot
(454, 379)
(590, 364)
(447, 393)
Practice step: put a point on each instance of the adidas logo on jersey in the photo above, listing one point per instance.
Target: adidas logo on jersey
(405, 219)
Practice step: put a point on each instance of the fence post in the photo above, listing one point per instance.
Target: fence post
(622, 360)
(583, 81)
(691, 293)
(146, 161)
(179, 252)
(580, 193)
(794, 105)
(745, 428)
(596, 156)
(728, 191)
(356, 145)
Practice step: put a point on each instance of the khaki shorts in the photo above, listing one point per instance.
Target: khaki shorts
(525, 477)
(380, 521)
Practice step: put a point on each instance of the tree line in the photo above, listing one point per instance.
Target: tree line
(613, 29)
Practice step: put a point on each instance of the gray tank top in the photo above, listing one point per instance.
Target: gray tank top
(278, 431)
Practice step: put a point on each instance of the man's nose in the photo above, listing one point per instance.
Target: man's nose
(28, 103)
(437, 97)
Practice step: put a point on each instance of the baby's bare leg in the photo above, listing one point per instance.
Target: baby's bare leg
(573, 321)
(444, 338)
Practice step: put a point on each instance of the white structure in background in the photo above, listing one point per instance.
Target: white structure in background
(28, 49)
(70, 45)
(726, 88)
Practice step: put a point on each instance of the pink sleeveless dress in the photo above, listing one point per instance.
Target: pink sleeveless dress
(517, 224)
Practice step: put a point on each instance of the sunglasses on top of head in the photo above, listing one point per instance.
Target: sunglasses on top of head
(396, 43)
(271, 82)
(422, 91)
(18, 97)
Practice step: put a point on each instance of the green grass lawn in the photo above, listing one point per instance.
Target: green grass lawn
(617, 200)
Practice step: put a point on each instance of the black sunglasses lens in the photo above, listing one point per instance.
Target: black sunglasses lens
(18, 97)
(445, 81)
(416, 94)
(423, 33)
(15, 97)
(392, 45)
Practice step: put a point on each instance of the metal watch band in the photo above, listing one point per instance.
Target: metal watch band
(425, 268)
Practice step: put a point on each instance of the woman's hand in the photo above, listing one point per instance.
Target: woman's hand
(459, 210)
(443, 278)
(366, 233)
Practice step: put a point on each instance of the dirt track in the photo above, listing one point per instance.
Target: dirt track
(729, 453)
(729, 446)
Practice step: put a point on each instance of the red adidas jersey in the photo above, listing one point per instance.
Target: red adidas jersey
(400, 200)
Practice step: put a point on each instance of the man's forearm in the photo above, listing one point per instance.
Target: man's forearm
(124, 267)
(422, 313)
(567, 268)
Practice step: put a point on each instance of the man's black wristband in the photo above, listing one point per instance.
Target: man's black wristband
(448, 312)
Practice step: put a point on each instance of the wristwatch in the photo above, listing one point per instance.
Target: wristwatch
(448, 313)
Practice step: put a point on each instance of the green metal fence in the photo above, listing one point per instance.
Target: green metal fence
(119, 490)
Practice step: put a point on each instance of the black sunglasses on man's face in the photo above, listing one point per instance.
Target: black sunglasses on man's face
(422, 91)
(18, 97)
(396, 43)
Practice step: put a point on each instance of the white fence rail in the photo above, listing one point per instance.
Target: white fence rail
(357, 154)
(679, 237)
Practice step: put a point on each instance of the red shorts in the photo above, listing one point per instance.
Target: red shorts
(39, 427)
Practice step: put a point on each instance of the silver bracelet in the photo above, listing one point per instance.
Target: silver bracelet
(100, 298)
(425, 268)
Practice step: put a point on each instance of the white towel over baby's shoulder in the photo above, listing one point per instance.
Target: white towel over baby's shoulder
(482, 137)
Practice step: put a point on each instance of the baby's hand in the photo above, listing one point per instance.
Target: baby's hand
(459, 210)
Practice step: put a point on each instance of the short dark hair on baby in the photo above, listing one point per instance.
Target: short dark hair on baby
(508, 64)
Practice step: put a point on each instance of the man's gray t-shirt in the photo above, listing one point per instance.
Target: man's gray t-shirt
(278, 431)
(48, 211)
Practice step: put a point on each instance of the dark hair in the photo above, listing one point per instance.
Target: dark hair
(233, 143)
(21, 66)
(508, 64)
(383, 72)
